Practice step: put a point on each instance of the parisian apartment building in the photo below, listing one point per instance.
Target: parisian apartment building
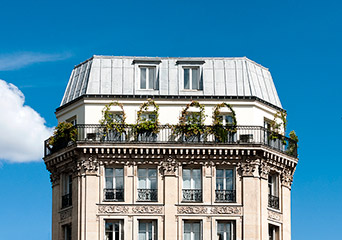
(151, 148)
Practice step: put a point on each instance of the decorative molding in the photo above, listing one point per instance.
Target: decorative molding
(286, 178)
(148, 209)
(65, 214)
(192, 210)
(275, 216)
(209, 210)
(117, 209)
(264, 170)
(226, 210)
(88, 166)
(168, 167)
(247, 168)
(113, 209)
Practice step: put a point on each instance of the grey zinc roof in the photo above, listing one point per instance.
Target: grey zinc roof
(116, 75)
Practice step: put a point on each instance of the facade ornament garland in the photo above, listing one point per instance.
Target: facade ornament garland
(66, 214)
(264, 170)
(113, 209)
(148, 209)
(225, 210)
(168, 167)
(192, 210)
(88, 166)
(286, 178)
(117, 209)
(208, 210)
(278, 217)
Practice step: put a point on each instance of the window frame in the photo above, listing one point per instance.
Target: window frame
(225, 177)
(154, 226)
(192, 222)
(121, 228)
(198, 81)
(147, 77)
(113, 180)
(67, 231)
(66, 190)
(232, 229)
(275, 232)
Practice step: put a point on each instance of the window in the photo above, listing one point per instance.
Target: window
(148, 117)
(226, 119)
(192, 78)
(147, 230)
(192, 185)
(192, 230)
(116, 117)
(66, 232)
(273, 232)
(114, 230)
(147, 184)
(72, 120)
(273, 199)
(66, 190)
(225, 185)
(114, 190)
(148, 79)
(225, 230)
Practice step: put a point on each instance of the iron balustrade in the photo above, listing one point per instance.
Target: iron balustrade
(225, 196)
(240, 135)
(147, 195)
(192, 195)
(112, 194)
(273, 201)
(66, 200)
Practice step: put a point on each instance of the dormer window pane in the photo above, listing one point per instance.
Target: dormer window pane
(148, 78)
(191, 78)
(195, 78)
(186, 78)
(143, 78)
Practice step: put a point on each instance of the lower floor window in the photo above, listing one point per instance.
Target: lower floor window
(225, 230)
(67, 232)
(147, 230)
(273, 232)
(192, 230)
(114, 230)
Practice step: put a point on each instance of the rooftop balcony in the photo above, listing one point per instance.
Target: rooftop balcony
(168, 134)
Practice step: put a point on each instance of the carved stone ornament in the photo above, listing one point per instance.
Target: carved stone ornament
(191, 210)
(286, 178)
(247, 169)
(225, 210)
(65, 214)
(88, 166)
(168, 166)
(54, 178)
(278, 217)
(208, 210)
(148, 209)
(264, 170)
(113, 209)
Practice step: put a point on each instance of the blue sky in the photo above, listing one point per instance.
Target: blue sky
(299, 41)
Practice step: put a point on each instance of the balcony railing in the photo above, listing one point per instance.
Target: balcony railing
(242, 135)
(66, 200)
(273, 201)
(149, 195)
(192, 195)
(112, 194)
(225, 196)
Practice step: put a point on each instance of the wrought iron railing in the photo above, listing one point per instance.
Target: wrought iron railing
(112, 194)
(192, 195)
(242, 135)
(273, 201)
(225, 196)
(147, 195)
(66, 200)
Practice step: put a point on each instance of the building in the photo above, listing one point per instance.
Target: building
(171, 148)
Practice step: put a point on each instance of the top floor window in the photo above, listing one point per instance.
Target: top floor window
(114, 190)
(192, 185)
(148, 77)
(226, 119)
(192, 78)
(273, 194)
(225, 185)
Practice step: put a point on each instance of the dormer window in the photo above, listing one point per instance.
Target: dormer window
(191, 78)
(148, 77)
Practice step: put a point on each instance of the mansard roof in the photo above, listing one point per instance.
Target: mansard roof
(221, 77)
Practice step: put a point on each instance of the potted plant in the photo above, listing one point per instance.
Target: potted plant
(223, 133)
(147, 125)
(114, 124)
(65, 134)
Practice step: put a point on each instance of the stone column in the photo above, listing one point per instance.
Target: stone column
(169, 170)
(56, 196)
(264, 170)
(286, 180)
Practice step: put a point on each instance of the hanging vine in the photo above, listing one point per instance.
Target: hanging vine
(191, 124)
(220, 131)
(144, 124)
(109, 122)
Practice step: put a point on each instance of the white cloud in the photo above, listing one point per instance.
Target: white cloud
(19, 60)
(22, 129)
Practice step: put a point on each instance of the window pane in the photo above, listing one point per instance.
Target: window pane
(109, 182)
(187, 227)
(109, 172)
(118, 172)
(219, 184)
(109, 226)
(229, 119)
(196, 176)
(142, 172)
(142, 236)
(152, 173)
(143, 78)
(195, 78)
(186, 179)
(142, 182)
(219, 173)
(119, 182)
(186, 78)
(151, 77)
(229, 184)
(196, 227)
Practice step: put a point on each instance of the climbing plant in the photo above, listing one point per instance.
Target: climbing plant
(220, 131)
(110, 122)
(148, 124)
